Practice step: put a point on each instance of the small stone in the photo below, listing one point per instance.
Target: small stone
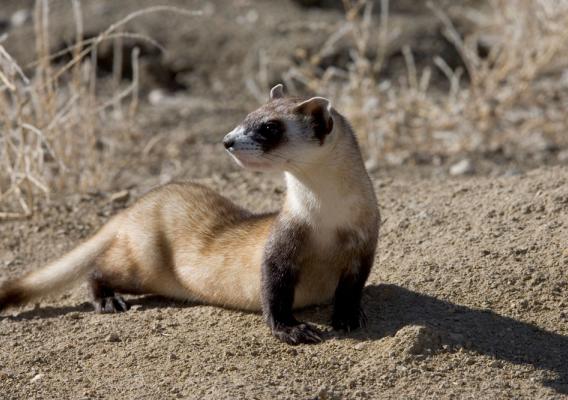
(173, 357)
(323, 393)
(463, 167)
(20, 17)
(156, 96)
(359, 346)
(36, 378)
(563, 156)
(372, 164)
(112, 338)
(74, 315)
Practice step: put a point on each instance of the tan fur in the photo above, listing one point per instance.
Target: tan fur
(186, 241)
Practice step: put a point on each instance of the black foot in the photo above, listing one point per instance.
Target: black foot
(349, 322)
(297, 334)
(110, 304)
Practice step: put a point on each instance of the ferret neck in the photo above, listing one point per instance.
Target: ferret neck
(337, 186)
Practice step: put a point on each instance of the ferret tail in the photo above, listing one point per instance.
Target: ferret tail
(59, 274)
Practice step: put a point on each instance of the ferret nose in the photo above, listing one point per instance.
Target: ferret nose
(228, 142)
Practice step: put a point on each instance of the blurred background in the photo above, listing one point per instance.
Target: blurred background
(105, 95)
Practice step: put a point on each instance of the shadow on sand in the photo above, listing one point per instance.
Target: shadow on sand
(147, 302)
(390, 308)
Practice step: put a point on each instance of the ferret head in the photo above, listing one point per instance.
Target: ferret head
(284, 134)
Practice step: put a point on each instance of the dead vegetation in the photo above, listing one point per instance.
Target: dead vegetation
(510, 88)
(60, 127)
(63, 129)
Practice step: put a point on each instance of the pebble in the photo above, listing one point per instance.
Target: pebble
(36, 378)
(463, 167)
(323, 393)
(563, 156)
(112, 338)
(74, 315)
(20, 17)
(359, 346)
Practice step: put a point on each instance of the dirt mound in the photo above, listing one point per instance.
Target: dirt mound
(470, 282)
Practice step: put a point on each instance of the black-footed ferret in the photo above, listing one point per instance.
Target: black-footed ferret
(185, 241)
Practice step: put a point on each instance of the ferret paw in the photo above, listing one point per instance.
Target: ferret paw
(297, 334)
(349, 322)
(110, 304)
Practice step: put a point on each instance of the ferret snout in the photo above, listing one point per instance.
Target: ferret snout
(231, 138)
(228, 142)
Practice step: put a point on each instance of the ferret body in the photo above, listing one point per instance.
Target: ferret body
(187, 242)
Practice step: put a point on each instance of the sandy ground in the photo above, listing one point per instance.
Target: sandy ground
(468, 297)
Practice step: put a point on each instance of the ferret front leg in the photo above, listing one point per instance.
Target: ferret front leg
(347, 311)
(278, 285)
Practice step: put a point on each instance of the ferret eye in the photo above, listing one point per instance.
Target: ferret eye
(270, 129)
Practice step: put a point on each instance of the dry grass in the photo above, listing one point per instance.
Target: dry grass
(510, 95)
(57, 130)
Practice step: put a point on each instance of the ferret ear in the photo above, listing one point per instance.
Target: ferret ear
(319, 109)
(277, 92)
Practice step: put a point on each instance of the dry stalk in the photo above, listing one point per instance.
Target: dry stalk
(528, 42)
(52, 125)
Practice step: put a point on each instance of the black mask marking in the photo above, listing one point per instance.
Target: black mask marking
(269, 134)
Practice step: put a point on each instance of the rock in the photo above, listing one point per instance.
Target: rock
(359, 346)
(112, 338)
(36, 378)
(463, 167)
(20, 17)
(418, 340)
(513, 172)
(563, 156)
(372, 164)
(74, 316)
(323, 393)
